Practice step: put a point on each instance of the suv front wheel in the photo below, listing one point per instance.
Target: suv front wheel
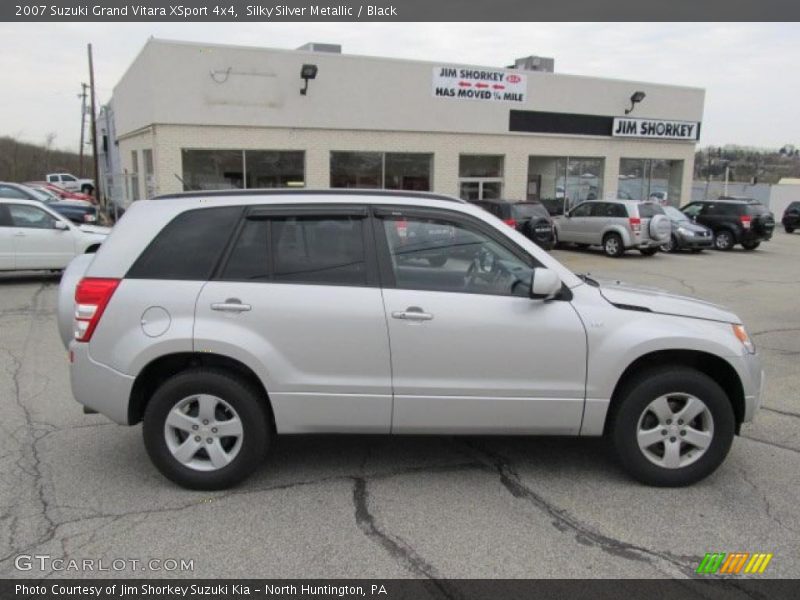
(672, 426)
(205, 429)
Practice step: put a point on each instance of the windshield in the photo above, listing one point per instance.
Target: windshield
(528, 209)
(37, 194)
(674, 214)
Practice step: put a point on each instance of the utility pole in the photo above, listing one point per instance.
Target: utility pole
(99, 195)
(82, 96)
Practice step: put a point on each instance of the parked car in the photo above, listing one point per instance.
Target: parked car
(34, 237)
(77, 211)
(222, 319)
(740, 221)
(62, 193)
(616, 225)
(530, 218)
(791, 217)
(686, 234)
(68, 181)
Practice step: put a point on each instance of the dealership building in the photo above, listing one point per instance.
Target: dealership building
(192, 116)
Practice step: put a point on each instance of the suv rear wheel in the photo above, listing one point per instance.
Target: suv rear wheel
(205, 429)
(612, 245)
(723, 240)
(673, 426)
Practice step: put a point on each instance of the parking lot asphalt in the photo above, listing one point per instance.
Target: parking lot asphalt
(77, 486)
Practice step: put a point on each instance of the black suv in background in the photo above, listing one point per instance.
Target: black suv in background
(791, 217)
(529, 218)
(745, 222)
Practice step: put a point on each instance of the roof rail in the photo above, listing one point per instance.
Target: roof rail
(301, 192)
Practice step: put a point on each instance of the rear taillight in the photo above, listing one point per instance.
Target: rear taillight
(510, 222)
(91, 298)
(746, 220)
(636, 224)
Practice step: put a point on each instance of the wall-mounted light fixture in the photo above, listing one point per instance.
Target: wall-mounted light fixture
(307, 72)
(635, 99)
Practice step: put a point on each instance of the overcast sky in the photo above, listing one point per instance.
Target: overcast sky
(749, 70)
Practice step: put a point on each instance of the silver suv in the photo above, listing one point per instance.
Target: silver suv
(616, 225)
(223, 319)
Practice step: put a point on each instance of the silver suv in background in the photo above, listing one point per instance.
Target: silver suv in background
(616, 225)
(222, 319)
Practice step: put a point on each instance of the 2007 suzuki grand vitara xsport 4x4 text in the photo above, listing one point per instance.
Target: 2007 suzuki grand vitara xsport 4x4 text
(223, 319)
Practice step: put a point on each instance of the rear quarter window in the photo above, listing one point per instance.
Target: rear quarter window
(757, 209)
(527, 211)
(189, 246)
(648, 210)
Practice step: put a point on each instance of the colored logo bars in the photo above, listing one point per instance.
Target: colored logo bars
(734, 563)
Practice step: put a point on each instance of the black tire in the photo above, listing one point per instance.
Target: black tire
(635, 397)
(696, 250)
(750, 245)
(648, 251)
(246, 401)
(724, 240)
(437, 261)
(87, 189)
(789, 229)
(671, 245)
(612, 245)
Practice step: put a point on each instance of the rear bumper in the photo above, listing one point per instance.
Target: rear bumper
(99, 387)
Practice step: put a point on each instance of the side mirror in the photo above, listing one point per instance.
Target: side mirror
(545, 284)
(60, 225)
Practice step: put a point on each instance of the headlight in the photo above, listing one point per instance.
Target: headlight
(684, 231)
(741, 334)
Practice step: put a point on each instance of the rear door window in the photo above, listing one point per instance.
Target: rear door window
(321, 250)
(189, 246)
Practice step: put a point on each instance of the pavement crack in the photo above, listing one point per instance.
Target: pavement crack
(769, 443)
(785, 413)
(394, 545)
(565, 522)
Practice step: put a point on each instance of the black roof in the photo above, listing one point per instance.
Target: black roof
(304, 191)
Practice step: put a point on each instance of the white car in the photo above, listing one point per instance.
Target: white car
(34, 237)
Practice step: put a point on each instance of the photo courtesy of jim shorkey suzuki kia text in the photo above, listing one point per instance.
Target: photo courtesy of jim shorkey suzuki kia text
(193, 590)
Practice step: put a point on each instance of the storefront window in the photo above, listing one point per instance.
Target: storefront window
(561, 182)
(650, 179)
(213, 169)
(231, 169)
(480, 176)
(391, 170)
(408, 171)
(274, 168)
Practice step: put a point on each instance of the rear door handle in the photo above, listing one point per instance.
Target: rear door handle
(20, 234)
(231, 305)
(412, 313)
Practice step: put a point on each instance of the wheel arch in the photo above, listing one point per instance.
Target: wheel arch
(620, 231)
(717, 368)
(160, 369)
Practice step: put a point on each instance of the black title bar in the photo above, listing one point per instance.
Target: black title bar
(398, 10)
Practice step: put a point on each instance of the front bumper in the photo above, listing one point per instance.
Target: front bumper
(751, 374)
(97, 386)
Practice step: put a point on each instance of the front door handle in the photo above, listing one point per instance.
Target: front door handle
(412, 313)
(231, 305)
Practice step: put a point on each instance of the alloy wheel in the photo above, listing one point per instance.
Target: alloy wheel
(203, 432)
(675, 430)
